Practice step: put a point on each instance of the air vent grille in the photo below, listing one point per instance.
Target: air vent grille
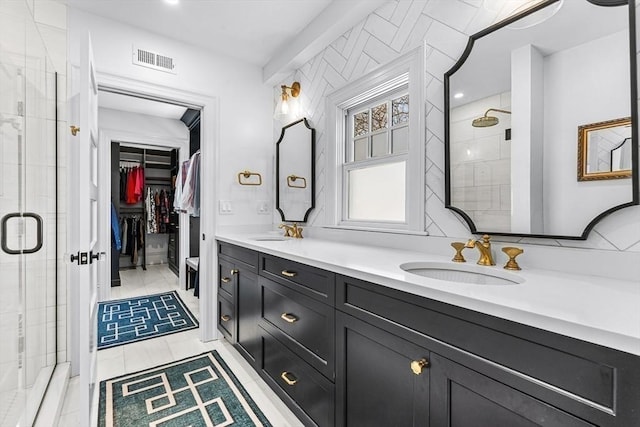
(154, 60)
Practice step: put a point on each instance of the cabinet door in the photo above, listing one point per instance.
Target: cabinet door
(248, 314)
(461, 397)
(375, 383)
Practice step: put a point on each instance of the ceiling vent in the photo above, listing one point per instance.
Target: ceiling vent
(150, 59)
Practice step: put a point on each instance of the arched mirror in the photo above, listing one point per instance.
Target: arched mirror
(531, 101)
(295, 171)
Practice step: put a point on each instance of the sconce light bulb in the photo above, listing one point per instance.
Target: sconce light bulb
(284, 108)
(458, 95)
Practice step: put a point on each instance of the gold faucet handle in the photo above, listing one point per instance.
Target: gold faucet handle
(297, 231)
(512, 253)
(459, 247)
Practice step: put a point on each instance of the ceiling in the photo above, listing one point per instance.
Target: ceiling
(250, 30)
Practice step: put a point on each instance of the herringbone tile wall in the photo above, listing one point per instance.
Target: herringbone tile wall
(444, 25)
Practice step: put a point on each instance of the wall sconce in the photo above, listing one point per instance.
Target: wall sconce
(288, 105)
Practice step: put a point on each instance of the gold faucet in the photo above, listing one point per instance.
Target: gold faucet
(292, 230)
(484, 248)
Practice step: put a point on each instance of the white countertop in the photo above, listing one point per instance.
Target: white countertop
(594, 309)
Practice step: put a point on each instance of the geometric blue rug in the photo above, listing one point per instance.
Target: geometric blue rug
(196, 391)
(134, 319)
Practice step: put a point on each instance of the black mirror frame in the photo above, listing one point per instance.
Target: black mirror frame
(635, 177)
(313, 170)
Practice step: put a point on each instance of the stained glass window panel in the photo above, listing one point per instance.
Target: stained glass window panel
(361, 123)
(400, 110)
(379, 117)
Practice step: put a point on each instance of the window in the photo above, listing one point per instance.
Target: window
(377, 144)
(377, 166)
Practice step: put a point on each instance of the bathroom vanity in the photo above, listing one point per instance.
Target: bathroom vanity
(346, 337)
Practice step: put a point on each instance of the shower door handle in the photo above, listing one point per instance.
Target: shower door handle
(32, 250)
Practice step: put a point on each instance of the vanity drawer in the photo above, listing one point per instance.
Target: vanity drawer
(244, 255)
(226, 319)
(227, 279)
(313, 393)
(313, 282)
(303, 324)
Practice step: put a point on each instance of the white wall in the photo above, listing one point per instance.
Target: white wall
(481, 163)
(444, 26)
(574, 79)
(245, 103)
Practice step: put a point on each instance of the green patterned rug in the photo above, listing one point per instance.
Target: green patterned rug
(196, 391)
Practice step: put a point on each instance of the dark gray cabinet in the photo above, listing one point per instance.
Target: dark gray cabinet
(376, 385)
(345, 352)
(240, 295)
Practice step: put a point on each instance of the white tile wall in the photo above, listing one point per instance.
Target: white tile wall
(392, 30)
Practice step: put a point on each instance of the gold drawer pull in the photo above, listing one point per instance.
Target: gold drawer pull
(225, 280)
(288, 378)
(289, 273)
(225, 317)
(289, 318)
(234, 271)
(418, 365)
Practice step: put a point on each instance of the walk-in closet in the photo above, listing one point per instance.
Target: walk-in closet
(142, 192)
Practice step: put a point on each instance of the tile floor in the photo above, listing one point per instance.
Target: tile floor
(136, 356)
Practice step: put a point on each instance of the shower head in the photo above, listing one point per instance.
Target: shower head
(486, 121)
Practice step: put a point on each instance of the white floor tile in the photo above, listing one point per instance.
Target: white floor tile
(141, 355)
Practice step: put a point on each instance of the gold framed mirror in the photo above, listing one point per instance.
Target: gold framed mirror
(604, 150)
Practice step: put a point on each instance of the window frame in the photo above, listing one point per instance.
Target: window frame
(406, 71)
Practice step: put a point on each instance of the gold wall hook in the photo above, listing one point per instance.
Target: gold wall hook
(512, 253)
(74, 130)
(459, 247)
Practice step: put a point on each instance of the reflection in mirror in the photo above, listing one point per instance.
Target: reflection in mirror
(604, 150)
(295, 171)
(514, 104)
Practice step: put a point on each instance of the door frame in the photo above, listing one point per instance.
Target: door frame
(109, 136)
(209, 107)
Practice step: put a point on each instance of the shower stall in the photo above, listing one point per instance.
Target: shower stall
(29, 216)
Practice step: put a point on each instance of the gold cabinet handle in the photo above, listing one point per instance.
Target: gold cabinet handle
(288, 378)
(74, 130)
(225, 280)
(225, 317)
(234, 271)
(289, 273)
(289, 318)
(418, 365)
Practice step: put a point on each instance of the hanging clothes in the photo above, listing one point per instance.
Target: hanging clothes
(179, 186)
(190, 201)
(115, 228)
(152, 224)
(135, 185)
(125, 236)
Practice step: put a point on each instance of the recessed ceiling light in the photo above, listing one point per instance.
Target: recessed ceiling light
(458, 95)
(172, 2)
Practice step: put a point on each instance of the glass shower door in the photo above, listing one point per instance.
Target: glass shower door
(28, 216)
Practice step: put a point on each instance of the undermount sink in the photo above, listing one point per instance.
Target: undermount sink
(268, 238)
(462, 273)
